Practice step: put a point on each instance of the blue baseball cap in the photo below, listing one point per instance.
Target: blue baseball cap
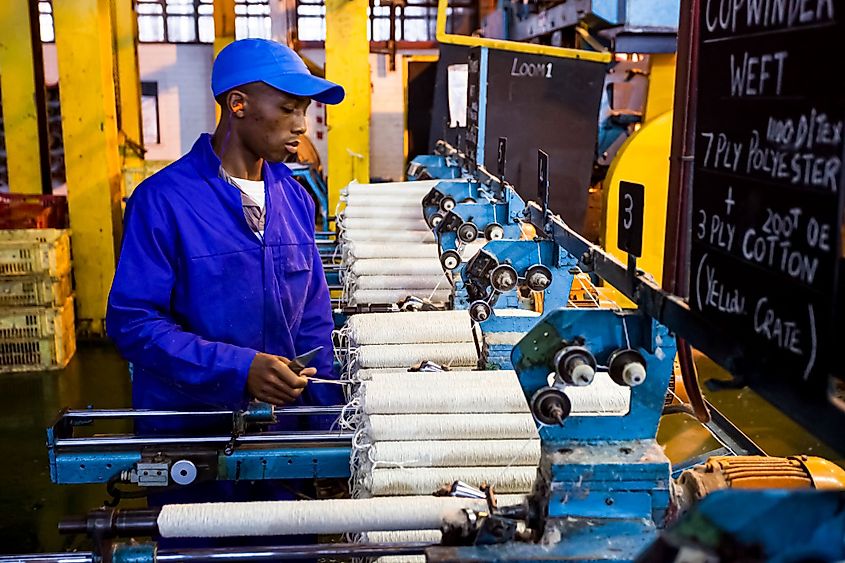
(261, 60)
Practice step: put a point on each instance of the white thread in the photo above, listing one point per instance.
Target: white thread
(502, 426)
(389, 296)
(393, 482)
(363, 250)
(395, 267)
(384, 235)
(385, 223)
(457, 453)
(478, 398)
(333, 516)
(396, 355)
(401, 282)
(421, 187)
(407, 328)
(463, 378)
(602, 397)
(410, 199)
(381, 211)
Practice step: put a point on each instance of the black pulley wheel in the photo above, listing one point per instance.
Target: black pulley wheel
(480, 311)
(503, 278)
(450, 260)
(468, 232)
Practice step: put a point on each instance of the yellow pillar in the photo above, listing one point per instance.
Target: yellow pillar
(224, 31)
(348, 63)
(89, 127)
(19, 64)
(224, 24)
(128, 85)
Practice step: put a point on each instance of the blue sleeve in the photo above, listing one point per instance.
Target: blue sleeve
(315, 330)
(139, 318)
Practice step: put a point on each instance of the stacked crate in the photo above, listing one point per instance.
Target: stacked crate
(36, 300)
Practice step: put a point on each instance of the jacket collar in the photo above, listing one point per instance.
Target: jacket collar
(209, 164)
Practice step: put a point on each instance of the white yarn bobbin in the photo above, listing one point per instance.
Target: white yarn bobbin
(453, 354)
(396, 212)
(395, 267)
(391, 482)
(363, 250)
(407, 197)
(453, 377)
(484, 398)
(389, 296)
(332, 516)
(429, 282)
(392, 427)
(410, 327)
(389, 223)
(457, 453)
(385, 235)
(462, 378)
(419, 186)
(603, 397)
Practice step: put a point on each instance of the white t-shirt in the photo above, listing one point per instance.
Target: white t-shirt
(253, 188)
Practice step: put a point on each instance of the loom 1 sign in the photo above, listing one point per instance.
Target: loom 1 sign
(767, 190)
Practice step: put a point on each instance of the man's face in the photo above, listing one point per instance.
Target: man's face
(271, 121)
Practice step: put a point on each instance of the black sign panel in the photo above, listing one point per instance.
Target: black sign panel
(502, 158)
(537, 102)
(630, 222)
(767, 190)
(543, 180)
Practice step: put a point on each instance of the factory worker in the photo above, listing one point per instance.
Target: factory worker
(219, 280)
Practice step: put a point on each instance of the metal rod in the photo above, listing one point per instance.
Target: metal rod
(303, 437)
(244, 554)
(80, 557)
(285, 552)
(132, 413)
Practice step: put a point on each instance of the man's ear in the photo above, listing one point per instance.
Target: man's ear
(236, 103)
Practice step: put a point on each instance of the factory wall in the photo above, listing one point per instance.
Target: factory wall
(181, 73)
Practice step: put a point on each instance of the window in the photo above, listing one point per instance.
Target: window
(252, 19)
(149, 113)
(45, 21)
(415, 20)
(175, 21)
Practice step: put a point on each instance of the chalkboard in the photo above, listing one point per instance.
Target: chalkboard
(767, 197)
(538, 102)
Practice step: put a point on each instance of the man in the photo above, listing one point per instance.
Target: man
(219, 280)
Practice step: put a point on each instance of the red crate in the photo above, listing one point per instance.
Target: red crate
(29, 211)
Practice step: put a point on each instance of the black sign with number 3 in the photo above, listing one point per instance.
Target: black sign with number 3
(630, 224)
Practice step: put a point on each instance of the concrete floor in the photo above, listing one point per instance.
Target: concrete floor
(31, 506)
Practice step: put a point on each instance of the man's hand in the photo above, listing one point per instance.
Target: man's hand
(272, 381)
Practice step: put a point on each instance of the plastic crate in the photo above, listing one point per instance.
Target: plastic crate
(34, 251)
(31, 211)
(37, 339)
(28, 291)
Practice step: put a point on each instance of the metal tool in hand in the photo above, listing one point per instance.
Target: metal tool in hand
(300, 362)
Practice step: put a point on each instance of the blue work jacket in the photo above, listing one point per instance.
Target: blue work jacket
(197, 294)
